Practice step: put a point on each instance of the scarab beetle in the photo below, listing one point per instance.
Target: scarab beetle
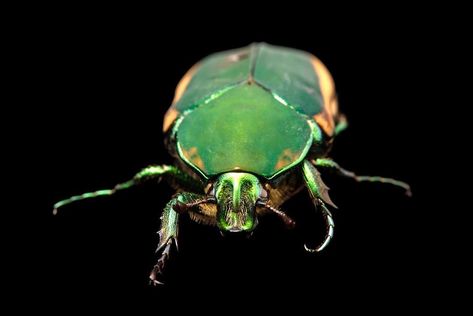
(248, 128)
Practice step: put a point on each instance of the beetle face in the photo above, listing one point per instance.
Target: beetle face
(236, 194)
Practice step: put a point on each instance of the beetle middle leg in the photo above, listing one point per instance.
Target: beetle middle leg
(342, 124)
(329, 163)
(147, 174)
(319, 193)
(168, 233)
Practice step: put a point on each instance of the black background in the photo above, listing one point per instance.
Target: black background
(102, 87)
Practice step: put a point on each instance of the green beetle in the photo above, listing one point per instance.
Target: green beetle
(249, 128)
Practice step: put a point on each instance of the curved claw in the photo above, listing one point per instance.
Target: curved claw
(155, 282)
(323, 244)
(330, 225)
(408, 192)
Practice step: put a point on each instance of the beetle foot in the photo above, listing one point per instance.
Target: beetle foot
(158, 270)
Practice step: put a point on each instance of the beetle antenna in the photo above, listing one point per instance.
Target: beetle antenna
(286, 219)
(329, 224)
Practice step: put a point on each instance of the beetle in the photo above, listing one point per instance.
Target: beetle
(248, 129)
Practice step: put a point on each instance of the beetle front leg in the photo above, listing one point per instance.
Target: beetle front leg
(329, 163)
(169, 228)
(149, 173)
(329, 224)
(319, 193)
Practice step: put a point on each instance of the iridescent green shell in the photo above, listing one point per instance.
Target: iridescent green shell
(249, 109)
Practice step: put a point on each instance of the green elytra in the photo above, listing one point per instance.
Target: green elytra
(284, 71)
(249, 110)
(248, 129)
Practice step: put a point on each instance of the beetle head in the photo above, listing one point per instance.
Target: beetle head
(237, 194)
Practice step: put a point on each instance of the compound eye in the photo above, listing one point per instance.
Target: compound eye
(263, 195)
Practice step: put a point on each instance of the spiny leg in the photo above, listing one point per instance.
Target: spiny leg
(319, 193)
(149, 173)
(329, 163)
(167, 236)
(169, 228)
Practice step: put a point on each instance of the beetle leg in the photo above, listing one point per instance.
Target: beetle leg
(329, 163)
(319, 193)
(169, 229)
(159, 266)
(342, 124)
(317, 188)
(329, 225)
(149, 173)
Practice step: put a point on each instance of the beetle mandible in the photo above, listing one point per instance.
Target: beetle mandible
(248, 128)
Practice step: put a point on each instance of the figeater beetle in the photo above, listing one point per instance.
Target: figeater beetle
(248, 128)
